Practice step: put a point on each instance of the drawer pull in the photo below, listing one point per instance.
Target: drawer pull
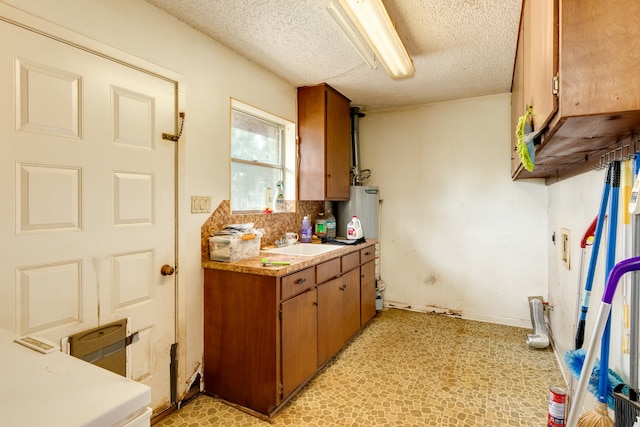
(367, 253)
(301, 282)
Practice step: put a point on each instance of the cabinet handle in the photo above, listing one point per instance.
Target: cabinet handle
(301, 281)
(343, 287)
(367, 253)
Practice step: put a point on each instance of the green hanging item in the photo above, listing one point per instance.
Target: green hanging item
(525, 135)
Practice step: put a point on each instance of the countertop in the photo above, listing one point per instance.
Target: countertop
(56, 389)
(254, 265)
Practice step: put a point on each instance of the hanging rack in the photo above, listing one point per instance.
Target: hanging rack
(621, 153)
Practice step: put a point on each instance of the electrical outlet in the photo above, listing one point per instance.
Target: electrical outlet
(200, 204)
(566, 248)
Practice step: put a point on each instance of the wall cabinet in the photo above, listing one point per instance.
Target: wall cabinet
(265, 336)
(535, 68)
(587, 46)
(324, 138)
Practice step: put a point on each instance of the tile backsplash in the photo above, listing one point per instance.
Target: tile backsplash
(274, 224)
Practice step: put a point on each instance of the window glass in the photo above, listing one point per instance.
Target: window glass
(251, 181)
(262, 153)
(255, 140)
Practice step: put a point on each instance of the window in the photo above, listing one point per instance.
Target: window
(262, 153)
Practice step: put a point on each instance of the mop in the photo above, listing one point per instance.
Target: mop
(619, 270)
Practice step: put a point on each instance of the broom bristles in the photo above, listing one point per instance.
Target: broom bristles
(598, 417)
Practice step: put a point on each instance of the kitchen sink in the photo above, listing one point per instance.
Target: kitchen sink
(303, 249)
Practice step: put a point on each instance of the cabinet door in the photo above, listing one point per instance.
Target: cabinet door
(330, 329)
(540, 59)
(338, 149)
(338, 313)
(351, 303)
(324, 131)
(299, 340)
(367, 292)
(517, 101)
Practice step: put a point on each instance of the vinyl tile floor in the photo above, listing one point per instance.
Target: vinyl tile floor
(412, 369)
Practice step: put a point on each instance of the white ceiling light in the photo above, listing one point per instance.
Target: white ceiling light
(372, 20)
(353, 37)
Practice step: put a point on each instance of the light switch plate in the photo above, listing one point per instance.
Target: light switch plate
(200, 204)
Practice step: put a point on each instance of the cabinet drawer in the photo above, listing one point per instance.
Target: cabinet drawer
(298, 282)
(350, 261)
(328, 270)
(367, 254)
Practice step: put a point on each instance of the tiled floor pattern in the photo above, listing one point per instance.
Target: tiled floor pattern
(412, 369)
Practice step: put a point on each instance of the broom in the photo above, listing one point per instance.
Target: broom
(599, 417)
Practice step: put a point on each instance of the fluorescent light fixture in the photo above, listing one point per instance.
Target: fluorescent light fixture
(353, 37)
(372, 20)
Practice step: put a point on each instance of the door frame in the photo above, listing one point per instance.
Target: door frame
(45, 28)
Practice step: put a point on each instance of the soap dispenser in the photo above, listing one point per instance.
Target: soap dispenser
(306, 232)
(278, 201)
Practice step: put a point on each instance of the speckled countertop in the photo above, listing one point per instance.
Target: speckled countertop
(254, 266)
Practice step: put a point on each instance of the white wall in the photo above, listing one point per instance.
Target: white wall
(457, 233)
(212, 75)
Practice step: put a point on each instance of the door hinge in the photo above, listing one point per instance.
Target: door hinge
(280, 314)
(281, 390)
(555, 85)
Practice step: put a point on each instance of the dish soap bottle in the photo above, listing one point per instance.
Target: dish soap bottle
(331, 225)
(321, 226)
(354, 229)
(278, 201)
(305, 233)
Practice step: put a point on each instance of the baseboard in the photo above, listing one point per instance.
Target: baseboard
(479, 317)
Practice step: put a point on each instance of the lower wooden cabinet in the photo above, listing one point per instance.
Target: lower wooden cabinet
(367, 292)
(299, 340)
(265, 336)
(338, 313)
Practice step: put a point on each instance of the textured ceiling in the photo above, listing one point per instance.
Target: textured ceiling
(460, 48)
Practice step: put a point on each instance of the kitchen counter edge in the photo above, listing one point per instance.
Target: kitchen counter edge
(254, 266)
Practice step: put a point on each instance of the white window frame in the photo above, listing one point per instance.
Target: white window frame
(288, 157)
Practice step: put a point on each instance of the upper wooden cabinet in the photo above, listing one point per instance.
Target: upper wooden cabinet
(587, 47)
(324, 131)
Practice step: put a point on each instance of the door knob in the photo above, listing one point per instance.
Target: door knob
(167, 270)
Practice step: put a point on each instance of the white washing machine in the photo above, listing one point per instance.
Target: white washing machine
(58, 390)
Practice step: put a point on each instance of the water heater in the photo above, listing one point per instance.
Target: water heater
(364, 203)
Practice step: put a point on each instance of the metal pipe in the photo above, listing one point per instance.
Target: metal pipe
(355, 143)
(540, 336)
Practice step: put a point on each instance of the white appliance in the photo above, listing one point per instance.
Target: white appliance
(364, 203)
(58, 390)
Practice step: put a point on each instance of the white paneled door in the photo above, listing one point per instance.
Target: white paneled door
(87, 218)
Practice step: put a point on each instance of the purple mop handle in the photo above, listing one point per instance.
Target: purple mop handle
(619, 270)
